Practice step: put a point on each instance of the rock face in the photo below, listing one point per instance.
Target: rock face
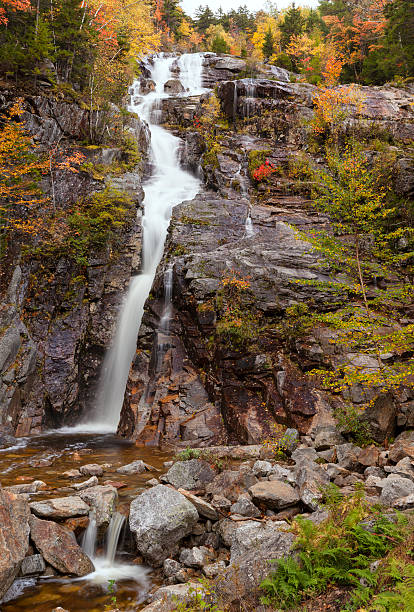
(14, 536)
(159, 518)
(49, 362)
(59, 548)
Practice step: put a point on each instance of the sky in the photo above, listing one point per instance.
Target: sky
(190, 6)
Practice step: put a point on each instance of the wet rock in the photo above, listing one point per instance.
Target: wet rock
(190, 475)
(173, 86)
(61, 507)
(394, 488)
(102, 499)
(92, 481)
(71, 474)
(146, 86)
(91, 469)
(77, 525)
(59, 548)
(34, 564)
(202, 506)
(32, 487)
(274, 494)
(136, 467)
(245, 507)
(230, 484)
(159, 518)
(14, 537)
(195, 557)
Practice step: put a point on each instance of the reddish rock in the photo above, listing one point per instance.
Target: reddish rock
(369, 456)
(59, 547)
(14, 536)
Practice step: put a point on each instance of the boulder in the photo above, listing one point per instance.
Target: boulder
(311, 479)
(171, 567)
(102, 499)
(91, 469)
(253, 545)
(230, 63)
(380, 417)
(190, 475)
(159, 518)
(14, 536)
(245, 507)
(92, 481)
(173, 86)
(394, 488)
(348, 456)
(59, 547)
(136, 467)
(326, 438)
(274, 494)
(214, 569)
(30, 487)
(60, 508)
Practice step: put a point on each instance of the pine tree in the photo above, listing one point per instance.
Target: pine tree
(269, 44)
(292, 25)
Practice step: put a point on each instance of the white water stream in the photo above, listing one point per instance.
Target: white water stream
(168, 186)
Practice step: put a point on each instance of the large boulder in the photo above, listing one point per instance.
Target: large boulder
(394, 488)
(173, 86)
(14, 536)
(231, 484)
(230, 63)
(102, 499)
(60, 508)
(59, 547)
(403, 447)
(253, 546)
(159, 518)
(190, 475)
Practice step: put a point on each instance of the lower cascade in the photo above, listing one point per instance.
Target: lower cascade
(168, 186)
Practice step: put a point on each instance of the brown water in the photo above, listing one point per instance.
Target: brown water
(46, 458)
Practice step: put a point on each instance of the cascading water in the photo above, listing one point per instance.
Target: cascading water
(168, 186)
(106, 568)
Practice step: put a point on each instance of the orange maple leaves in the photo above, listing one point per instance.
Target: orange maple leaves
(13, 5)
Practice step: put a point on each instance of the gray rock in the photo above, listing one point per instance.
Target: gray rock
(262, 468)
(245, 507)
(136, 467)
(195, 557)
(173, 86)
(61, 507)
(30, 487)
(311, 481)
(304, 455)
(102, 499)
(221, 503)
(159, 518)
(404, 468)
(394, 488)
(171, 567)
(326, 438)
(274, 494)
(34, 564)
(214, 569)
(190, 475)
(404, 503)
(231, 483)
(91, 469)
(291, 437)
(251, 535)
(347, 456)
(230, 63)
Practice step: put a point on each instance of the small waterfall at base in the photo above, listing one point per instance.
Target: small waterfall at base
(168, 186)
(106, 568)
(249, 227)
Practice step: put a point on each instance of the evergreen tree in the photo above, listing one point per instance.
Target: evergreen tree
(269, 44)
(292, 25)
(219, 45)
(204, 18)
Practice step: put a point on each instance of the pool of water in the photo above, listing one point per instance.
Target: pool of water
(46, 458)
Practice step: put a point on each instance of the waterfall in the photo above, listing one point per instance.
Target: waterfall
(168, 186)
(191, 72)
(106, 568)
(249, 226)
